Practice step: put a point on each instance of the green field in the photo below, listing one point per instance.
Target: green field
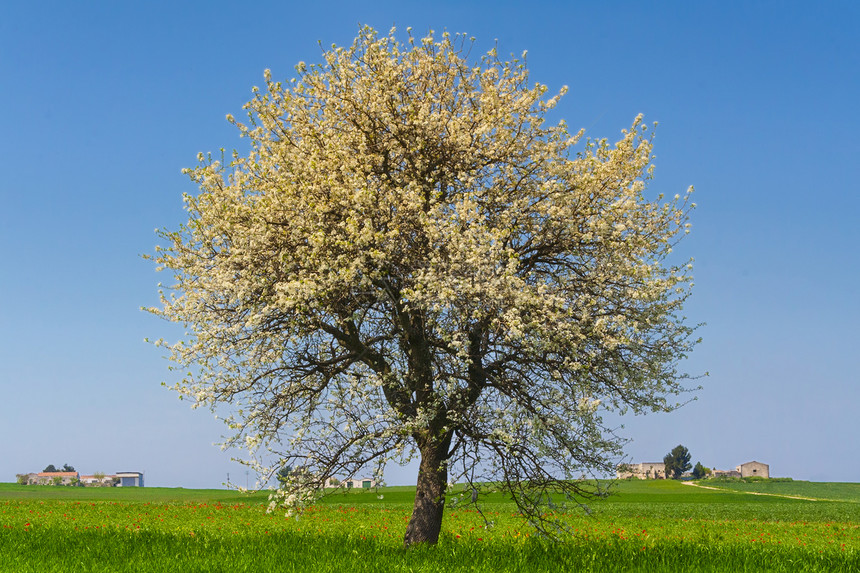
(643, 526)
(822, 491)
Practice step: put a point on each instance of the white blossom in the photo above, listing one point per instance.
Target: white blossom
(411, 261)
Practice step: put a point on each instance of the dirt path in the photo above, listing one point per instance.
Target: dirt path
(755, 492)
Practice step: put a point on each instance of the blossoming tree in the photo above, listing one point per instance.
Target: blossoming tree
(410, 262)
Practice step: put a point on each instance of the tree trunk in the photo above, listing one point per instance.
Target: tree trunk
(426, 521)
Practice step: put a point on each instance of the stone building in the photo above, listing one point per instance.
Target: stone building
(51, 478)
(754, 469)
(644, 470)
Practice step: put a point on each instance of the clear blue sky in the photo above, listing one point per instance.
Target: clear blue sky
(102, 104)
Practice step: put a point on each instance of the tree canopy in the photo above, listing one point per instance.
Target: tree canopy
(677, 462)
(66, 468)
(410, 261)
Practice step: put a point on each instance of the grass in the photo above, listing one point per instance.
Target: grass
(817, 490)
(646, 526)
(10, 491)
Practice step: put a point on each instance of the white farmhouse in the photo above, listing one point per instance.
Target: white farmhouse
(350, 483)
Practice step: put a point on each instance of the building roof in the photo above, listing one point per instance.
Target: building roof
(57, 474)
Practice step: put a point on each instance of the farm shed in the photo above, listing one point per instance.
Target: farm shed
(130, 479)
(349, 483)
(754, 469)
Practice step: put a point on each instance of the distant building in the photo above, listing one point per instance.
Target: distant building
(725, 473)
(657, 470)
(754, 469)
(93, 480)
(644, 470)
(130, 479)
(51, 478)
(350, 483)
(121, 479)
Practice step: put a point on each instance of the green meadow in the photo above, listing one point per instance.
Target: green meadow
(642, 526)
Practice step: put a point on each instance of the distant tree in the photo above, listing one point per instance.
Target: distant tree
(57, 480)
(50, 468)
(289, 473)
(677, 462)
(68, 468)
(699, 471)
(284, 474)
(22, 479)
(100, 477)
